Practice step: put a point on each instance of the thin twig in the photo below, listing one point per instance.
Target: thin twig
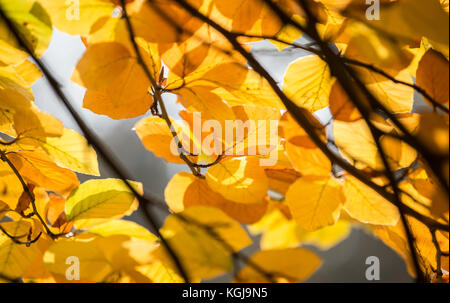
(30, 195)
(16, 240)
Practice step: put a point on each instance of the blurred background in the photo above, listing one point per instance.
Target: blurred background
(342, 263)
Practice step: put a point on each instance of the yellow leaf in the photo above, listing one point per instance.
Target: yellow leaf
(9, 79)
(259, 136)
(280, 180)
(32, 22)
(409, 20)
(101, 199)
(157, 272)
(10, 187)
(203, 255)
(242, 181)
(72, 151)
(118, 88)
(19, 116)
(315, 202)
(327, 237)
(398, 152)
(287, 265)
(34, 123)
(395, 237)
(355, 140)
(28, 71)
(244, 13)
(16, 258)
(94, 266)
(397, 98)
(232, 81)
(201, 99)
(341, 106)
(122, 228)
(166, 17)
(77, 17)
(37, 168)
(308, 83)
(280, 232)
(9, 51)
(367, 45)
(288, 33)
(101, 65)
(185, 190)
(157, 138)
(432, 75)
(4, 208)
(433, 132)
(367, 206)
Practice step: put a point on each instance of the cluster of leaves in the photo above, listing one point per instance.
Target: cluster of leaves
(381, 165)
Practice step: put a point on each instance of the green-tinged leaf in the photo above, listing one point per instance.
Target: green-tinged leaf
(72, 151)
(100, 199)
(32, 22)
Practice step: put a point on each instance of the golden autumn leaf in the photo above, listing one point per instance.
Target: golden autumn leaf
(185, 190)
(204, 255)
(289, 265)
(33, 22)
(365, 44)
(395, 237)
(355, 140)
(308, 83)
(124, 228)
(315, 202)
(365, 205)
(20, 117)
(93, 264)
(101, 64)
(407, 21)
(341, 106)
(15, 258)
(232, 81)
(280, 232)
(100, 200)
(78, 18)
(432, 75)
(301, 151)
(242, 181)
(157, 137)
(72, 151)
(37, 168)
(10, 188)
(110, 79)
(397, 98)
(167, 17)
(244, 13)
(433, 131)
